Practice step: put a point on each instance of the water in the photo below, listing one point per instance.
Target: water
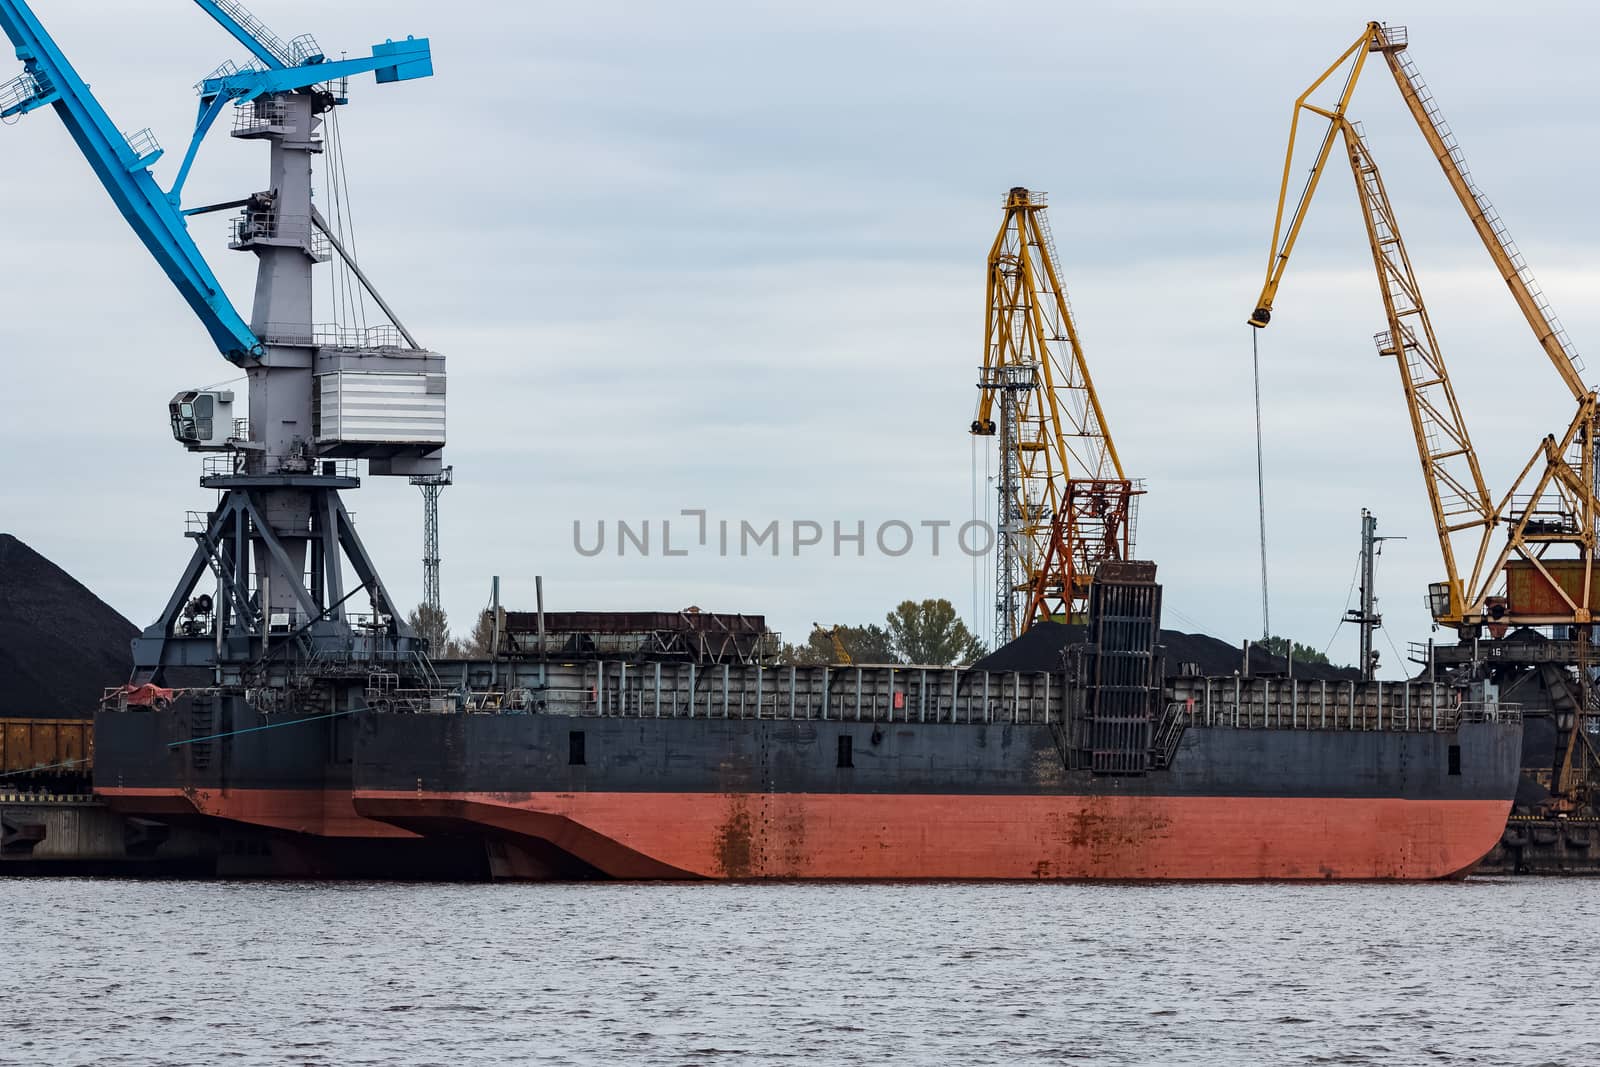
(109, 972)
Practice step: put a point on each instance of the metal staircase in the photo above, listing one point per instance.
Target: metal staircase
(1168, 733)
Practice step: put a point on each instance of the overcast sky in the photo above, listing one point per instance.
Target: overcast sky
(731, 257)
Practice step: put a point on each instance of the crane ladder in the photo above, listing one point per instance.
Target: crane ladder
(1425, 108)
(1456, 489)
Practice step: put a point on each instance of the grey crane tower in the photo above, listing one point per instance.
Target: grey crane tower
(319, 398)
(432, 485)
(1013, 547)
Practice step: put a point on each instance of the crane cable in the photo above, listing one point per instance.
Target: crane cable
(1261, 482)
(347, 216)
(349, 295)
(991, 517)
(338, 275)
(977, 616)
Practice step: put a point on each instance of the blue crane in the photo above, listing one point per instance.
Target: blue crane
(277, 540)
(122, 163)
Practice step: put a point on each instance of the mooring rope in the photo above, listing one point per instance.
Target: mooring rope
(268, 726)
(45, 767)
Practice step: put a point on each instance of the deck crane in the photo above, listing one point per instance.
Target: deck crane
(1552, 502)
(1542, 574)
(319, 398)
(1065, 504)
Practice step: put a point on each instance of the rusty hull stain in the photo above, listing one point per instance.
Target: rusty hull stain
(733, 846)
(1101, 832)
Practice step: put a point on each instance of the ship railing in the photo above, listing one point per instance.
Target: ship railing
(417, 701)
(866, 693)
(385, 692)
(649, 643)
(1019, 706)
(1316, 704)
(1488, 711)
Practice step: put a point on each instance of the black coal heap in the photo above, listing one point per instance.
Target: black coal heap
(1040, 650)
(60, 645)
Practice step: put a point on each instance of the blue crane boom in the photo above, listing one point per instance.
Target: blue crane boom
(123, 167)
(123, 164)
(252, 33)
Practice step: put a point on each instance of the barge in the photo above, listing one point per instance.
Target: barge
(1101, 768)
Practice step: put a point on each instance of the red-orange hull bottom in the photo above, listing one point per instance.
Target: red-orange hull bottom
(886, 837)
(319, 812)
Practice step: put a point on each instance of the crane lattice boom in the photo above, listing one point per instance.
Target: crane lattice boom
(1456, 491)
(1391, 41)
(1065, 504)
(1552, 502)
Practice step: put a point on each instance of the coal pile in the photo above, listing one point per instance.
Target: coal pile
(1041, 647)
(1037, 650)
(60, 645)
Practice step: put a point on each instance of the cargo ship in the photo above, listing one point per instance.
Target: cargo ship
(897, 798)
(666, 756)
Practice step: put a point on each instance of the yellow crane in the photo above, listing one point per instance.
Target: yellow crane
(1064, 503)
(1552, 501)
(841, 655)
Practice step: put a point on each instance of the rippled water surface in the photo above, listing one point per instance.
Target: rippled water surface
(108, 972)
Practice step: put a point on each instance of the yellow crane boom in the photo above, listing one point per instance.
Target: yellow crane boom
(1391, 42)
(1284, 236)
(1456, 491)
(1560, 507)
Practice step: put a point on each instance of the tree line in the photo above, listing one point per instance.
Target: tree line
(917, 631)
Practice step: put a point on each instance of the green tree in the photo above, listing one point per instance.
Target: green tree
(867, 644)
(478, 644)
(434, 625)
(931, 632)
(1280, 646)
(864, 644)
